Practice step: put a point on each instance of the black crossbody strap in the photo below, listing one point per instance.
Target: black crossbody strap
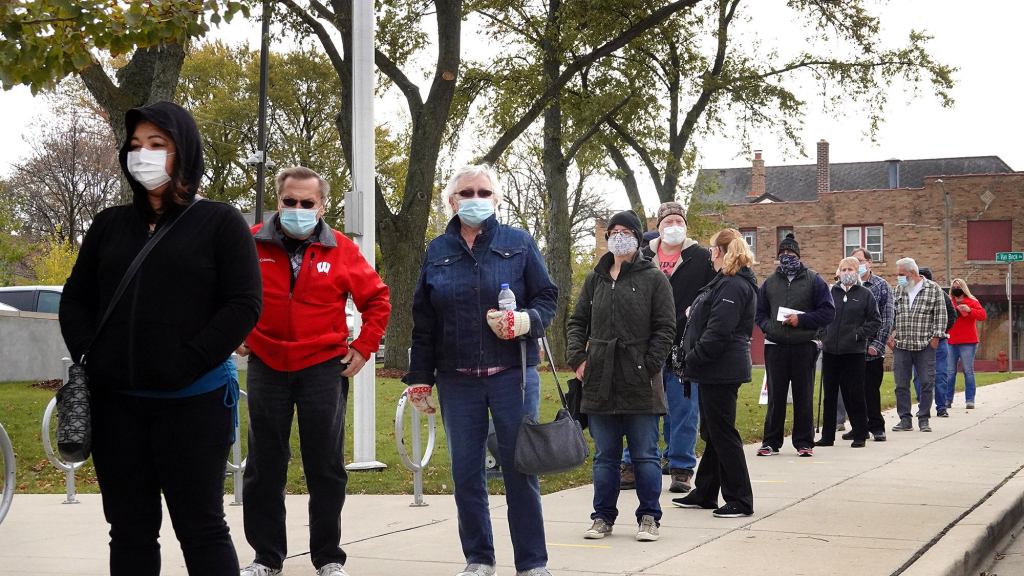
(551, 363)
(134, 267)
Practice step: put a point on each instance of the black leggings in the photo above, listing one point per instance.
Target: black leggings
(145, 446)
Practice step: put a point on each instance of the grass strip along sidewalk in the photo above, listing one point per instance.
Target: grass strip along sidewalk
(22, 405)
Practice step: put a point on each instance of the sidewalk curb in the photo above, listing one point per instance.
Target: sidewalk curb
(967, 545)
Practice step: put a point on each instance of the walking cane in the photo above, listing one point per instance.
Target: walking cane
(821, 390)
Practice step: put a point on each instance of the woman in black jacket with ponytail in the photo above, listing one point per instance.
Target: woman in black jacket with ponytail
(715, 353)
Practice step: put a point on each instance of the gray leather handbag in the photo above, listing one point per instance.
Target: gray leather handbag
(549, 447)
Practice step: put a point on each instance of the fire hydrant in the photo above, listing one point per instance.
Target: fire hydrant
(1003, 361)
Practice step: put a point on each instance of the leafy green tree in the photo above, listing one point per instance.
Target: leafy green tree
(219, 84)
(44, 41)
(53, 264)
(706, 77)
(13, 248)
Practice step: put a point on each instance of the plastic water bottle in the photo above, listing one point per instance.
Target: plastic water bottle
(506, 299)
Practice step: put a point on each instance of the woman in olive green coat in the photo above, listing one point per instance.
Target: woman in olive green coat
(618, 338)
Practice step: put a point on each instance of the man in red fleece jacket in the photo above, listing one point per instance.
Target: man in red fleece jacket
(301, 360)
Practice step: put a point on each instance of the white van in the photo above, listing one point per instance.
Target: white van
(44, 299)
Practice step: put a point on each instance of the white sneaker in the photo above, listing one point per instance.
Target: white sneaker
(257, 569)
(599, 529)
(478, 570)
(332, 569)
(534, 572)
(648, 529)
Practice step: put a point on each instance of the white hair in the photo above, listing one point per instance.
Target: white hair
(908, 263)
(473, 170)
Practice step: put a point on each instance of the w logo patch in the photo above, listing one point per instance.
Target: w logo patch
(323, 267)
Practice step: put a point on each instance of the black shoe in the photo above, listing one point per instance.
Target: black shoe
(730, 511)
(879, 436)
(824, 442)
(942, 413)
(857, 444)
(848, 435)
(690, 501)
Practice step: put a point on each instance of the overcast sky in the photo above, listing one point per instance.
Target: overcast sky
(981, 38)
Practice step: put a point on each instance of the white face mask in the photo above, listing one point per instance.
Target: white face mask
(622, 244)
(674, 235)
(148, 167)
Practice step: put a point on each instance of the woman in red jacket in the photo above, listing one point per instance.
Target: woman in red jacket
(963, 338)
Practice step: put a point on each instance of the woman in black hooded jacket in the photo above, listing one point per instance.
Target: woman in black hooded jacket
(715, 354)
(162, 383)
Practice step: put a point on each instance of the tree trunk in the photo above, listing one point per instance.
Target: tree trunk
(559, 249)
(628, 178)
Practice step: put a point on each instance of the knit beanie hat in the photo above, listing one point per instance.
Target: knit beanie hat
(669, 208)
(630, 220)
(789, 243)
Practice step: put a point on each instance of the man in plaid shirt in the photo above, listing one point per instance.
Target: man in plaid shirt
(919, 324)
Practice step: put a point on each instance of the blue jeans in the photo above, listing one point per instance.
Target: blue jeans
(465, 401)
(904, 363)
(680, 424)
(943, 382)
(641, 431)
(963, 353)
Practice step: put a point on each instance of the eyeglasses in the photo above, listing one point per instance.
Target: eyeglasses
(620, 233)
(291, 202)
(482, 193)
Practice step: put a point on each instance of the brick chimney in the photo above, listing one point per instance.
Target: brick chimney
(756, 177)
(824, 180)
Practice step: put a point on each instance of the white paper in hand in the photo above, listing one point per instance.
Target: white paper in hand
(783, 312)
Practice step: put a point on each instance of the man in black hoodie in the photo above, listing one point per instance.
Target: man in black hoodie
(789, 351)
(162, 383)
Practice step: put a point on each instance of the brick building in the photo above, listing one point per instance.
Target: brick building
(895, 209)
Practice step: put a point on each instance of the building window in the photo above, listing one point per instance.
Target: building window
(869, 237)
(750, 235)
(986, 237)
(780, 234)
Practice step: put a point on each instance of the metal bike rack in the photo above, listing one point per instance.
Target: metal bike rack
(236, 465)
(68, 467)
(7, 450)
(417, 462)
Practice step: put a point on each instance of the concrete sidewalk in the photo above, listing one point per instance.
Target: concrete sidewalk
(871, 511)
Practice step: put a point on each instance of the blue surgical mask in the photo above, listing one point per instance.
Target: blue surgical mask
(473, 211)
(902, 280)
(862, 270)
(298, 222)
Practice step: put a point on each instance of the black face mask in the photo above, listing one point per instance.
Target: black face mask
(958, 292)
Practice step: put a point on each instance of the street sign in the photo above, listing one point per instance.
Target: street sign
(1009, 256)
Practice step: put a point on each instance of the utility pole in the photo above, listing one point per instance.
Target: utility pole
(360, 221)
(261, 134)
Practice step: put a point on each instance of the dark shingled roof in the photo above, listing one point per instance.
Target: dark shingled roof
(795, 183)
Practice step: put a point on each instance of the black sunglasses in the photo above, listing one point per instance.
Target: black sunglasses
(291, 202)
(484, 193)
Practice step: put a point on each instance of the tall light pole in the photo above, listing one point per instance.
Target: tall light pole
(360, 221)
(261, 130)
(948, 204)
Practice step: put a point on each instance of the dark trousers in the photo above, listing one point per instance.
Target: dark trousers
(723, 465)
(144, 446)
(873, 372)
(785, 364)
(318, 394)
(844, 373)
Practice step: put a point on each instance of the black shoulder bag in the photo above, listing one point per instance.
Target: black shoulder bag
(550, 447)
(74, 416)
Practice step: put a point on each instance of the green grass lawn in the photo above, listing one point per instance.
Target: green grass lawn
(21, 409)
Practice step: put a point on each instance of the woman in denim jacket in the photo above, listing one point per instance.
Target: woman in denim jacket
(472, 352)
